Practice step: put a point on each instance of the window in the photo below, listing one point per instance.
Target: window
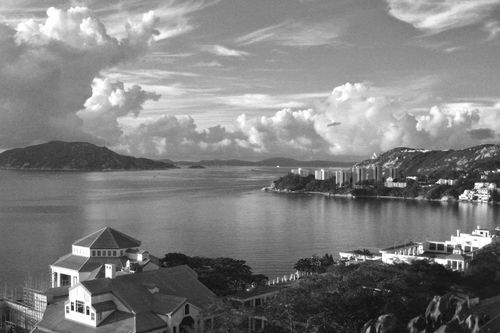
(92, 316)
(186, 309)
(121, 252)
(467, 248)
(114, 253)
(93, 253)
(109, 253)
(449, 248)
(432, 246)
(98, 253)
(175, 329)
(79, 306)
(75, 280)
(67, 309)
(87, 310)
(440, 247)
(72, 306)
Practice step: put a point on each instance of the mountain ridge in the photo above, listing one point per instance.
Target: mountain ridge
(411, 161)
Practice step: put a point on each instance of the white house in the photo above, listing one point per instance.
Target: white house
(450, 182)
(90, 253)
(389, 182)
(169, 300)
(455, 253)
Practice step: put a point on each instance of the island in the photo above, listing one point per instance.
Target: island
(74, 156)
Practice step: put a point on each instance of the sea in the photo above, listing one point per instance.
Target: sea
(212, 212)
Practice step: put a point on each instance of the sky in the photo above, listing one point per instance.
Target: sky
(206, 79)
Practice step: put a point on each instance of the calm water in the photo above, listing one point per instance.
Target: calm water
(207, 212)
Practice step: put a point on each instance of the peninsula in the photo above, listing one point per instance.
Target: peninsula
(471, 174)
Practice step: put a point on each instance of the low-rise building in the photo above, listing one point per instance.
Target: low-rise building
(90, 253)
(166, 300)
(449, 182)
(481, 192)
(454, 253)
(392, 184)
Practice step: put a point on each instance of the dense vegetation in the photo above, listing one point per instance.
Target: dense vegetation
(345, 297)
(221, 275)
(414, 189)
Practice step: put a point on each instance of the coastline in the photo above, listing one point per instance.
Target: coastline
(387, 197)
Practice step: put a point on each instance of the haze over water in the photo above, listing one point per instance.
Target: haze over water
(206, 212)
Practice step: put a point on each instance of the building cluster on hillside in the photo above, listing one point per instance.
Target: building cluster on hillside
(455, 253)
(481, 192)
(109, 284)
(355, 175)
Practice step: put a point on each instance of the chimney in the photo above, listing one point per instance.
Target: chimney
(110, 271)
(458, 232)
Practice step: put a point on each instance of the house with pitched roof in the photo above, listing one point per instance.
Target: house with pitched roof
(166, 300)
(90, 254)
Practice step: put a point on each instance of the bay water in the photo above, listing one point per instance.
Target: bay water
(214, 212)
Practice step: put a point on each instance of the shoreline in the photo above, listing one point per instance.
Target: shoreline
(350, 196)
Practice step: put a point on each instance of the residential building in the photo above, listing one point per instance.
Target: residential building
(323, 174)
(481, 192)
(449, 182)
(359, 175)
(90, 253)
(166, 300)
(455, 253)
(301, 172)
(343, 177)
(392, 184)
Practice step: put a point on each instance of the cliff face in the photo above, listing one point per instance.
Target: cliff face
(59, 155)
(434, 162)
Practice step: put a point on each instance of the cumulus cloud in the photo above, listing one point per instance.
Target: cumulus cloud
(352, 120)
(441, 15)
(109, 102)
(47, 70)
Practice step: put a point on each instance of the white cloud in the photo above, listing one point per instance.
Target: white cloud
(47, 69)
(435, 16)
(299, 34)
(259, 101)
(223, 51)
(352, 120)
(109, 102)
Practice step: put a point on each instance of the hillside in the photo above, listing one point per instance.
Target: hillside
(59, 155)
(439, 162)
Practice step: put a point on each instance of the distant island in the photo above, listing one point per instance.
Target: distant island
(74, 156)
(274, 162)
(471, 174)
(196, 166)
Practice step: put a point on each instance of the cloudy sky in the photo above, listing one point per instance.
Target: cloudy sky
(196, 79)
